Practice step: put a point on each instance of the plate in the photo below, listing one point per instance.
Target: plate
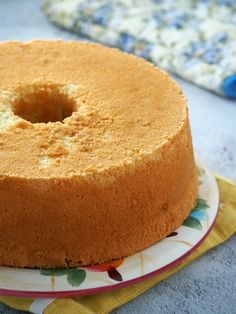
(119, 273)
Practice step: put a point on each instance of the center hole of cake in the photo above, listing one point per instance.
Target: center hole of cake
(43, 105)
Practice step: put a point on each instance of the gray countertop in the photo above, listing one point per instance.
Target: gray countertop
(208, 285)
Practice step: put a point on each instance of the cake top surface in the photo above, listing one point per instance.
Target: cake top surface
(72, 109)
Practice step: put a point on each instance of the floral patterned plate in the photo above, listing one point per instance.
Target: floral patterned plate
(149, 262)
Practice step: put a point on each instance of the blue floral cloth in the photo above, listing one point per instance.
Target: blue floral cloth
(194, 39)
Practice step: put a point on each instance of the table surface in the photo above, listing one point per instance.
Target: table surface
(208, 285)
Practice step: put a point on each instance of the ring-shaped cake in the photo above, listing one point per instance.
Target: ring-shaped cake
(96, 157)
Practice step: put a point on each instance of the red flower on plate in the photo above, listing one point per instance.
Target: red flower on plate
(110, 268)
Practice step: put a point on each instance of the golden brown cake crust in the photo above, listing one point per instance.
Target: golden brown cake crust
(109, 180)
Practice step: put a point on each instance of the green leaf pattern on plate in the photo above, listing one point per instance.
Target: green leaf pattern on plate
(53, 272)
(192, 223)
(201, 205)
(75, 277)
(197, 215)
(201, 173)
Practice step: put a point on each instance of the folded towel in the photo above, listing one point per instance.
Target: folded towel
(193, 39)
(102, 303)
